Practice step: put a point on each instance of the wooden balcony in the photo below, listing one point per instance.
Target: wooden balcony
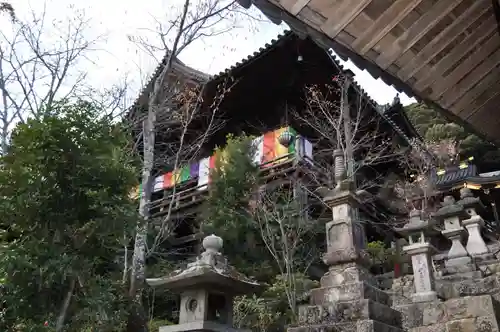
(185, 199)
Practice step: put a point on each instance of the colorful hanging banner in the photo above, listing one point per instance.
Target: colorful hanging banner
(180, 175)
(303, 148)
(273, 149)
(205, 166)
(268, 151)
(258, 146)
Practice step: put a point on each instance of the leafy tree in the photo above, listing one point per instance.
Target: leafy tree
(270, 311)
(261, 230)
(435, 129)
(65, 182)
(234, 181)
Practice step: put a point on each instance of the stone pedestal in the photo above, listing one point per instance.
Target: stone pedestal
(451, 214)
(420, 254)
(457, 255)
(346, 300)
(476, 247)
(475, 243)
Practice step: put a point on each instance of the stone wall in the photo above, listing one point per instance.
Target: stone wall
(402, 289)
(485, 281)
(466, 314)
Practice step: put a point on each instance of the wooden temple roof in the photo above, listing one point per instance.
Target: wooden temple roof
(444, 52)
(394, 114)
(465, 175)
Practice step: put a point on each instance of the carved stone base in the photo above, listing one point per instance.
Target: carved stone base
(424, 297)
(358, 326)
(346, 273)
(360, 315)
(348, 292)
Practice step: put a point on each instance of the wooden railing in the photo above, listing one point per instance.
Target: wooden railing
(187, 196)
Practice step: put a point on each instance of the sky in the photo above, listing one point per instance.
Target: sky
(116, 56)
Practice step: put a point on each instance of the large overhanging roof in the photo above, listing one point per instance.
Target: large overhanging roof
(444, 52)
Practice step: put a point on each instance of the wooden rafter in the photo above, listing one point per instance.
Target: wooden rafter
(489, 86)
(294, 6)
(474, 76)
(496, 9)
(485, 30)
(478, 56)
(445, 52)
(444, 38)
(388, 20)
(340, 17)
(483, 100)
(417, 30)
(492, 108)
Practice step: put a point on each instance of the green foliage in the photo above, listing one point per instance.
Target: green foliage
(235, 210)
(234, 180)
(289, 234)
(155, 324)
(435, 128)
(255, 313)
(379, 254)
(270, 311)
(227, 213)
(65, 208)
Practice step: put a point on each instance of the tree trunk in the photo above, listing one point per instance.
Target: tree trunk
(64, 309)
(138, 271)
(346, 119)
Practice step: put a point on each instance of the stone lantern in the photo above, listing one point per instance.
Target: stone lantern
(418, 232)
(476, 247)
(451, 214)
(207, 288)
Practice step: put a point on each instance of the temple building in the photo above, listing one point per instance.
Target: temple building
(485, 185)
(265, 95)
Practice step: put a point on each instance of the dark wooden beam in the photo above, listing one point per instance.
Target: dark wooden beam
(468, 104)
(381, 27)
(480, 54)
(483, 100)
(473, 77)
(485, 30)
(443, 39)
(496, 9)
(338, 17)
(483, 118)
(417, 30)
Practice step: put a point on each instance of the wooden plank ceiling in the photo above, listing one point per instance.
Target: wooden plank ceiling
(445, 52)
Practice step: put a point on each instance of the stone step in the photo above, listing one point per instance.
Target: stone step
(344, 312)
(461, 276)
(357, 326)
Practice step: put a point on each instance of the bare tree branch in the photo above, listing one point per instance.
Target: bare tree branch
(38, 65)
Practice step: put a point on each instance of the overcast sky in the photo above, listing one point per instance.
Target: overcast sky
(118, 19)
